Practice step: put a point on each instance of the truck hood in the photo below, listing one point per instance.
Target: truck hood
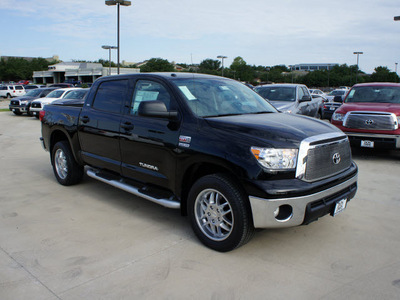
(274, 129)
(361, 106)
(283, 105)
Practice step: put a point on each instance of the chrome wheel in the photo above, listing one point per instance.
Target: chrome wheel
(214, 214)
(60, 161)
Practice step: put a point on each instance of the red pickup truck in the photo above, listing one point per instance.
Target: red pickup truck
(370, 115)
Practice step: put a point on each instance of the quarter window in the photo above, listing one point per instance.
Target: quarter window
(111, 95)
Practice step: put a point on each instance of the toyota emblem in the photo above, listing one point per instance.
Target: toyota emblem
(369, 122)
(336, 158)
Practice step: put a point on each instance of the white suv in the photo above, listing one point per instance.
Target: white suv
(9, 91)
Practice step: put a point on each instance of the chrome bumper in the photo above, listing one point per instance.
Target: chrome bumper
(263, 209)
(395, 137)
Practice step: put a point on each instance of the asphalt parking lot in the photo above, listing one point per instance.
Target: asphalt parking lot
(92, 241)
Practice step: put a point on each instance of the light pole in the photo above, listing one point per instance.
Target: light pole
(222, 57)
(395, 67)
(118, 3)
(109, 55)
(357, 53)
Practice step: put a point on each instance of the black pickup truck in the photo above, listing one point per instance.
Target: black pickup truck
(206, 145)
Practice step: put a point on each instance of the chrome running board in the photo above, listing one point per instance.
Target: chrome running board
(120, 184)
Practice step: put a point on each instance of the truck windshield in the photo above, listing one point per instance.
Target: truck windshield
(380, 94)
(33, 93)
(276, 93)
(218, 97)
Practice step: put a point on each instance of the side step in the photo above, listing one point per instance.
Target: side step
(120, 184)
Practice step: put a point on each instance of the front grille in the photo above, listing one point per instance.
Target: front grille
(327, 158)
(37, 105)
(371, 121)
(14, 102)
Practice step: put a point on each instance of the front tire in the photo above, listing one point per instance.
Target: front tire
(65, 168)
(220, 213)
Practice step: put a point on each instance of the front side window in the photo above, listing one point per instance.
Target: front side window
(147, 90)
(111, 95)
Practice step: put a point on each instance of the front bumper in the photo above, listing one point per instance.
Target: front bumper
(300, 209)
(18, 108)
(381, 141)
(35, 110)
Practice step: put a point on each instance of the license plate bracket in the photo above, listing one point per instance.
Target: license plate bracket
(339, 206)
(367, 144)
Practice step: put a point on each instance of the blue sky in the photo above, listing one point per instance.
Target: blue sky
(262, 32)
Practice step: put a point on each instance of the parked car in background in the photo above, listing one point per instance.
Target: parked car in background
(74, 98)
(337, 93)
(22, 104)
(38, 104)
(24, 82)
(33, 86)
(329, 108)
(370, 115)
(62, 85)
(10, 91)
(74, 82)
(315, 93)
(291, 98)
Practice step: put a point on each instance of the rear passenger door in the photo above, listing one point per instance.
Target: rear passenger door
(99, 125)
(149, 144)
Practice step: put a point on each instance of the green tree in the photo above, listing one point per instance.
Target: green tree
(242, 70)
(210, 64)
(16, 68)
(157, 65)
(383, 74)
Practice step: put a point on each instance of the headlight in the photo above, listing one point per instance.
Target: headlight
(276, 159)
(337, 117)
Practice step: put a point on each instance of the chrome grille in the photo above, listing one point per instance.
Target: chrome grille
(323, 156)
(37, 105)
(371, 121)
(14, 102)
(324, 160)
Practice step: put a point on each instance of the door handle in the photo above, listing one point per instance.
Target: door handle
(127, 126)
(85, 119)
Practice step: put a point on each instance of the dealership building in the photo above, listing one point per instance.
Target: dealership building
(312, 67)
(84, 72)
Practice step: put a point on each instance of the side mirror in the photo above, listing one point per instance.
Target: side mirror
(155, 109)
(305, 98)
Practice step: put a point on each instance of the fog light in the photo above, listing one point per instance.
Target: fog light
(283, 213)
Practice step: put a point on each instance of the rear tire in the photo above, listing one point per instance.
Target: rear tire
(18, 113)
(65, 168)
(220, 213)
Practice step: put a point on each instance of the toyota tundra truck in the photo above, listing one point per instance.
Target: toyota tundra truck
(370, 115)
(206, 145)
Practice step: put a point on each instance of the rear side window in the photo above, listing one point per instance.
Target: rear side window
(111, 95)
(18, 87)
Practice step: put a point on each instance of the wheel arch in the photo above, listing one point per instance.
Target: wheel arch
(58, 135)
(198, 170)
